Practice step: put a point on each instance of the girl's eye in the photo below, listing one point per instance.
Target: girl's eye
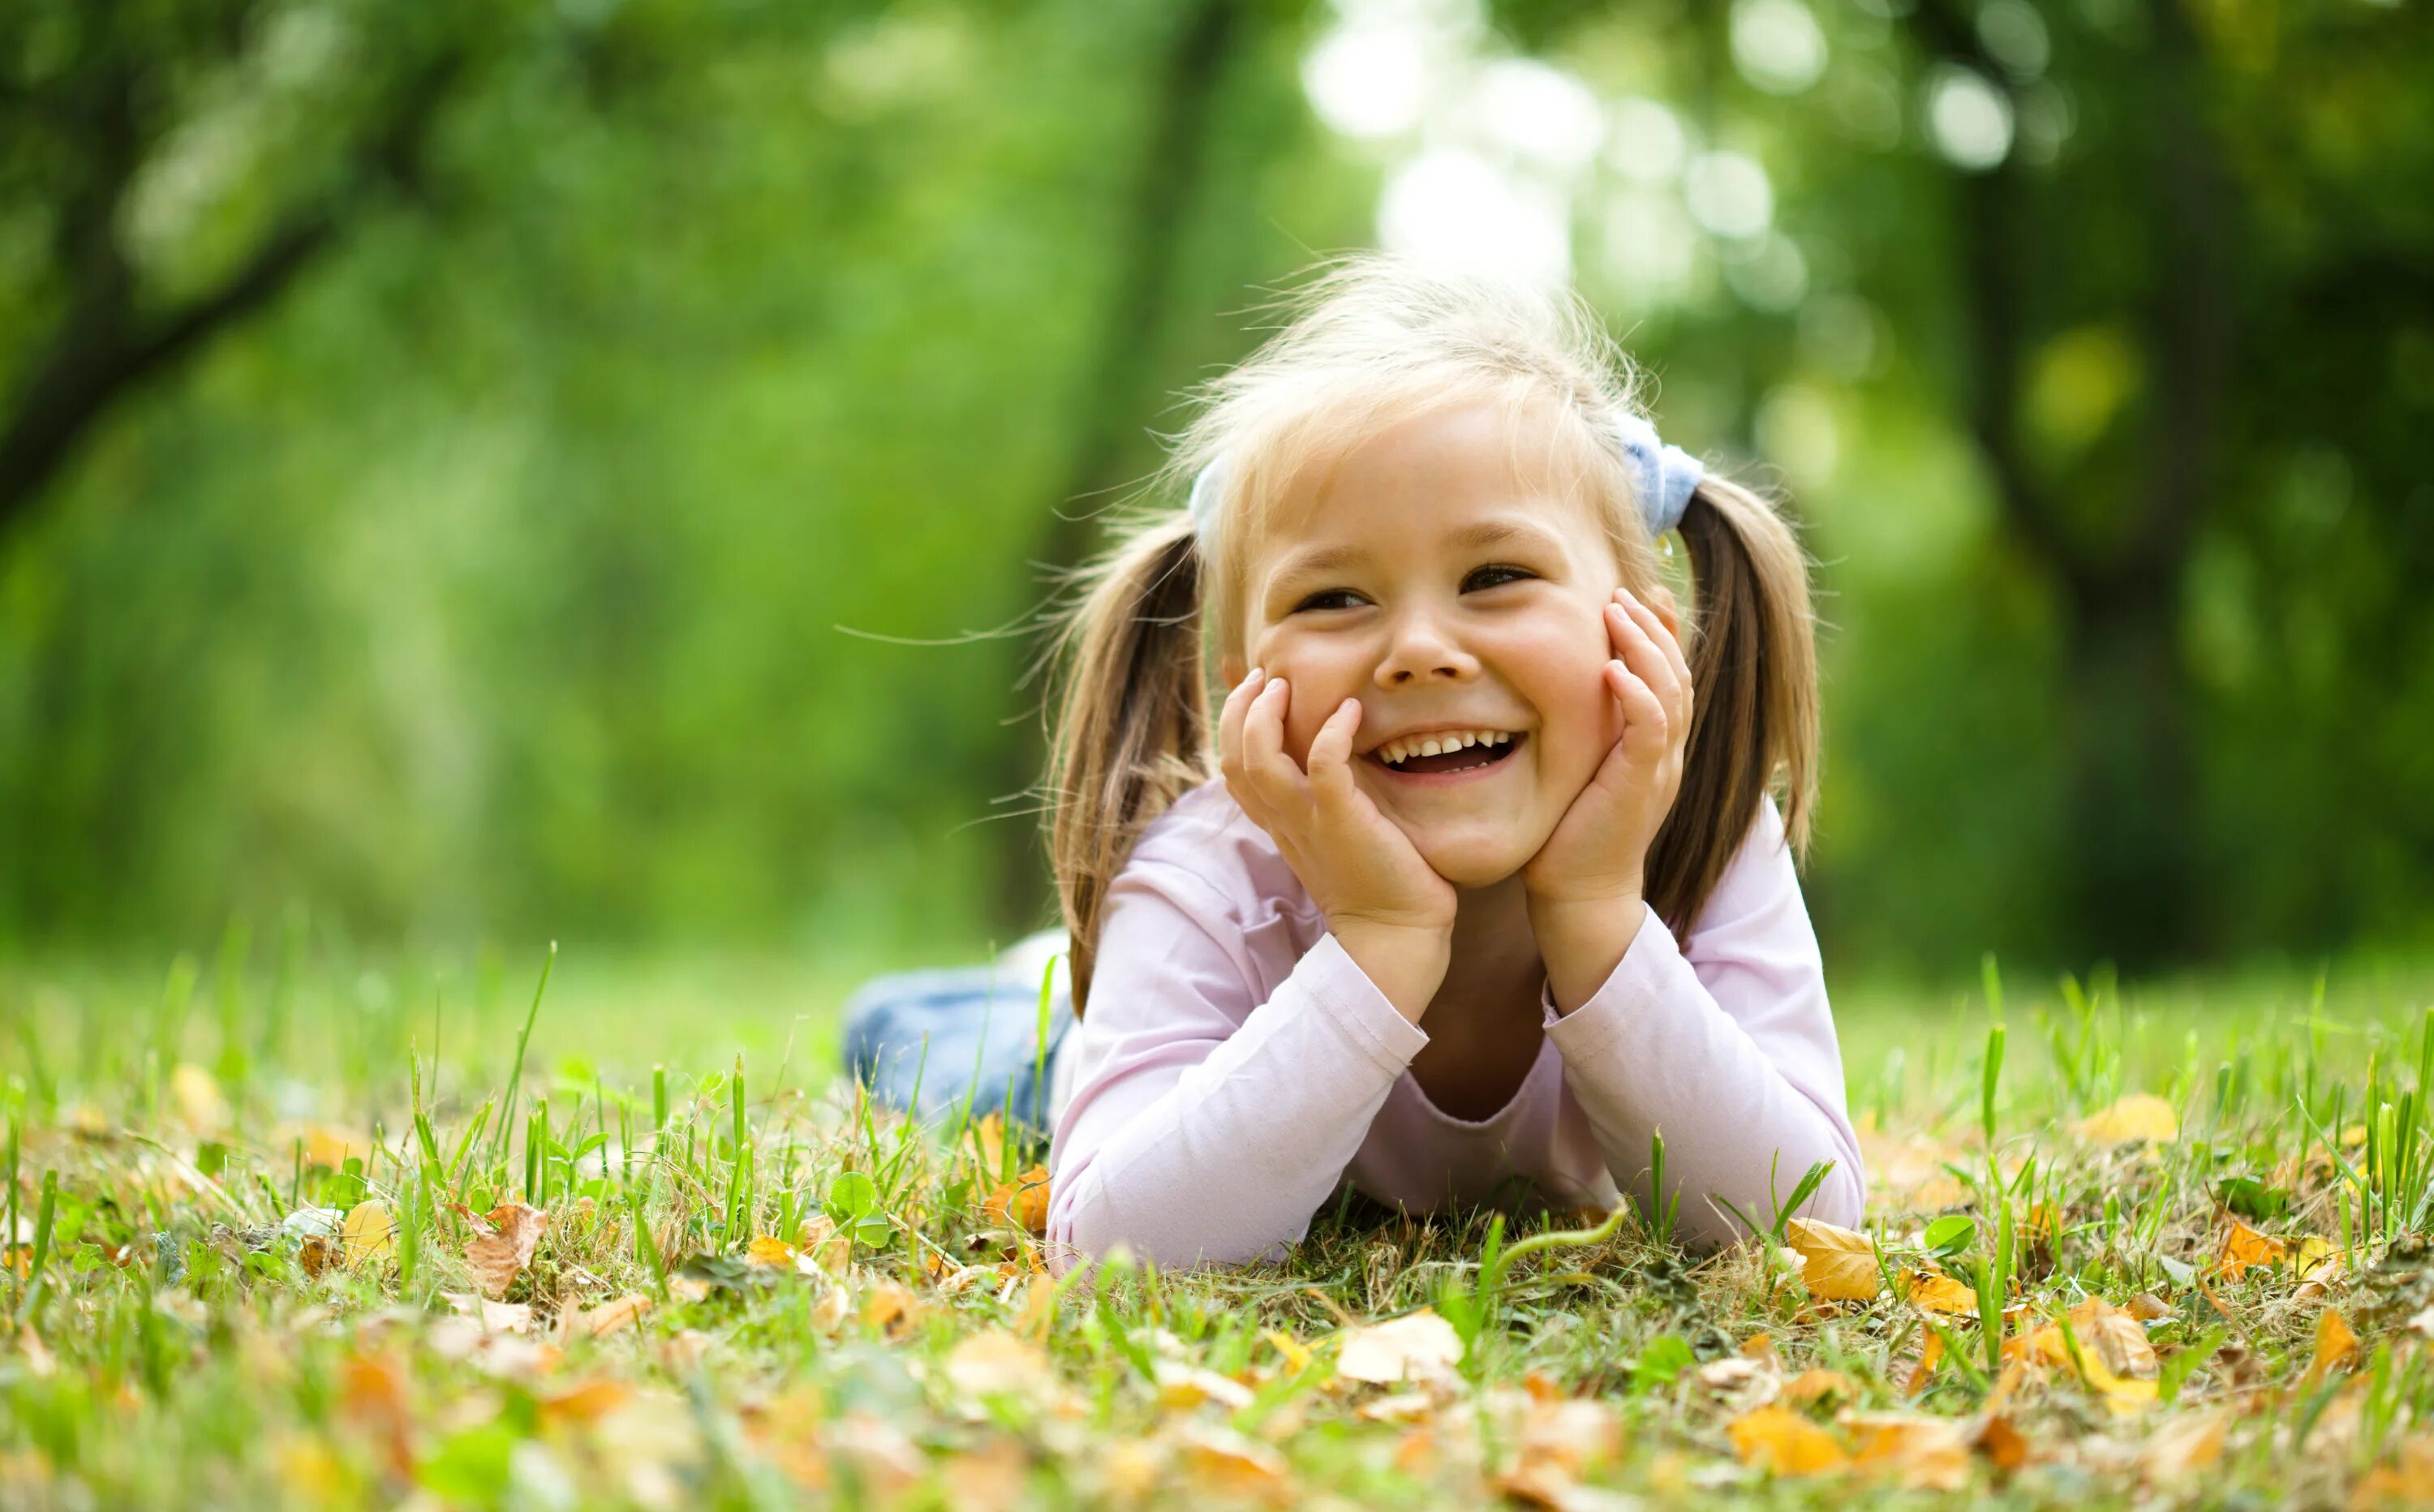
(1494, 575)
(1330, 598)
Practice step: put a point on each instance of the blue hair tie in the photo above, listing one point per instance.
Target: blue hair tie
(1663, 477)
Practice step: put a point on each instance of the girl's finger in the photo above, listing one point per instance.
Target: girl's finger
(1641, 650)
(1651, 618)
(1330, 751)
(1645, 724)
(1229, 721)
(1263, 741)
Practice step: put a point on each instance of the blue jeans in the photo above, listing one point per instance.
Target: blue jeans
(928, 1042)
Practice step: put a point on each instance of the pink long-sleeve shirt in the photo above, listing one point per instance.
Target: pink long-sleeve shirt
(1235, 1066)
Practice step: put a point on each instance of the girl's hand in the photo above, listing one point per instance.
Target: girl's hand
(1386, 905)
(1597, 857)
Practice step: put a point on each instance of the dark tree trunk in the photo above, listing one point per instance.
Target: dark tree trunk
(1166, 178)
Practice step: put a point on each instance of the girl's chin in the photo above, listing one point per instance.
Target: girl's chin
(1474, 867)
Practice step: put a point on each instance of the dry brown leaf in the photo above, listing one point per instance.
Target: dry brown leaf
(1222, 1462)
(498, 1257)
(891, 1309)
(2141, 1115)
(1781, 1440)
(369, 1234)
(496, 1318)
(1182, 1387)
(2409, 1482)
(1817, 1384)
(1918, 1453)
(1930, 1354)
(996, 1362)
(2182, 1448)
(2005, 1447)
(586, 1404)
(820, 1246)
(610, 1318)
(1836, 1263)
(2335, 1346)
(1414, 1346)
(1934, 1291)
(2147, 1306)
(373, 1390)
(987, 1479)
(1022, 1203)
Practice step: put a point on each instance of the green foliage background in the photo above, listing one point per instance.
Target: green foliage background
(496, 576)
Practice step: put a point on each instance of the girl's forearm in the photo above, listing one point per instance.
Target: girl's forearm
(1581, 943)
(1407, 962)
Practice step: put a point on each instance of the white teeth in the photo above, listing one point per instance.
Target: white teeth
(1395, 753)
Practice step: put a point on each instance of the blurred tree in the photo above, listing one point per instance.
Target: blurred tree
(124, 131)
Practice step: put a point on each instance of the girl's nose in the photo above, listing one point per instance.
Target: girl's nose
(1421, 651)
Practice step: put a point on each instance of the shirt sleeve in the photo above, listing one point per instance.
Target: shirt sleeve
(1206, 1127)
(1728, 1050)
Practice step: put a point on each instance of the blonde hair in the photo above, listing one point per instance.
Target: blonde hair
(1373, 341)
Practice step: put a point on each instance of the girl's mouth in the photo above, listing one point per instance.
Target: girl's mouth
(1478, 752)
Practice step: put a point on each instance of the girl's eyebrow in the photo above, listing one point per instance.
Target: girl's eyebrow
(1496, 531)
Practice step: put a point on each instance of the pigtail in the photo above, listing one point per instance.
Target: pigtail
(1133, 725)
(1754, 672)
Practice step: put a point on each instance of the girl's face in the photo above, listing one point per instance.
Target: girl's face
(1422, 577)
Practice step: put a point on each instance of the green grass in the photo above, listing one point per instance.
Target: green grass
(176, 1331)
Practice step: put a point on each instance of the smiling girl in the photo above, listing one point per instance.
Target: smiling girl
(1475, 881)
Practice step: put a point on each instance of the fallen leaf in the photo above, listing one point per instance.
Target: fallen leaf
(891, 1309)
(769, 1252)
(2147, 1306)
(496, 1318)
(1918, 1453)
(2182, 1447)
(1817, 1384)
(1836, 1263)
(1226, 1463)
(1781, 1440)
(1934, 1291)
(2335, 1346)
(2407, 1482)
(586, 1404)
(1930, 1354)
(1413, 1347)
(498, 1257)
(369, 1234)
(610, 1318)
(2141, 1115)
(1022, 1203)
(200, 1107)
(997, 1362)
(1182, 1387)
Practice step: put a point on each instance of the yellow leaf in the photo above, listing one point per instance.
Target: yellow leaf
(1781, 1440)
(2243, 1246)
(2184, 1448)
(1814, 1384)
(2335, 1346)
(1022, 1203)
(200, 1107)
(2141, 1115)
(997, 1362)
(1413, 1347)
(1918, 1453)
(891, 1309)
(769, 1252)
(1934, 1291)
(1837, 1263)
(370, 1233)
(1224, 1463)
(1297, 1353)
(612, 1317)
(586, 1404)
